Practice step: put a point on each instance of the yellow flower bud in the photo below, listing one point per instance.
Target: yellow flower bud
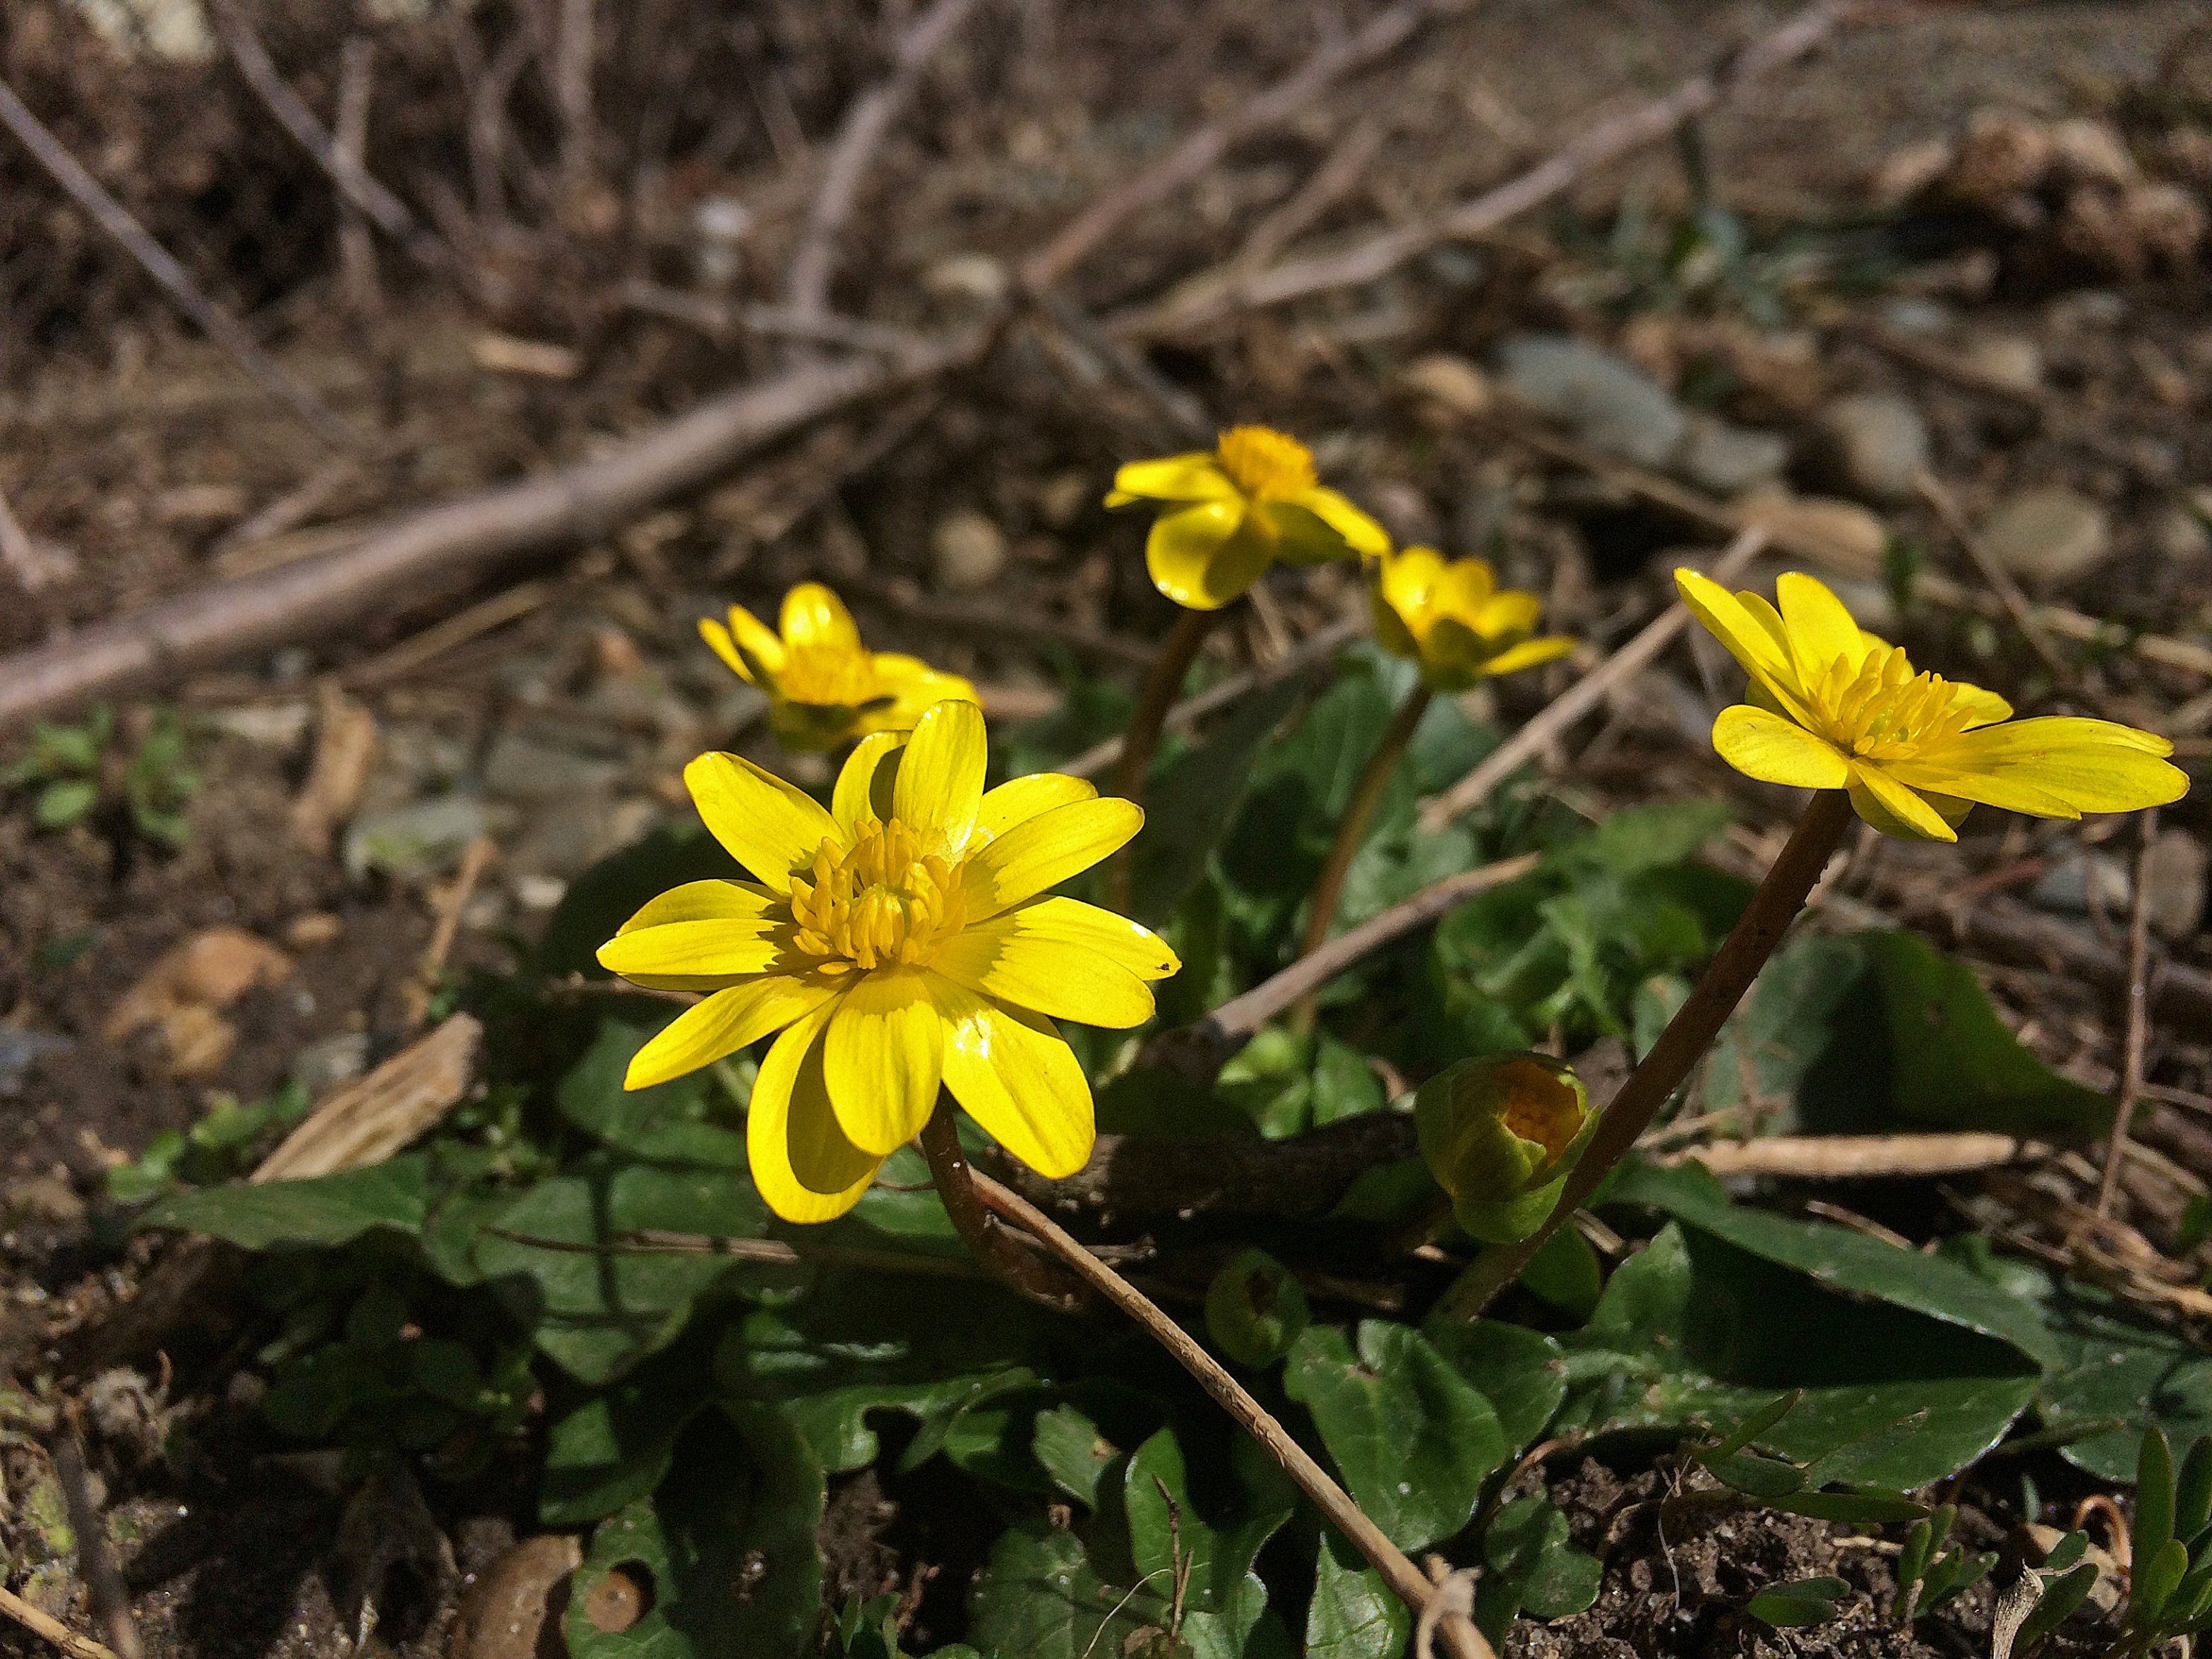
(1499, 1134)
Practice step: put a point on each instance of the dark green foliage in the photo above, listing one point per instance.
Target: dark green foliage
(76, 771)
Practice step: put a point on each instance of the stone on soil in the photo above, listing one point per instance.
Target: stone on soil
(2048, 537)
(1880, 442)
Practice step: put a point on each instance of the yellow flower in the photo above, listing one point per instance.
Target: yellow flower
(1454, 620)
(898, 940)
(823, 684)
(1234, 510)
(1838, 708)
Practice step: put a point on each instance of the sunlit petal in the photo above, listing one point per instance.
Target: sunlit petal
(805, 1166)
(814, 617)
(940, 776)
(883, 1057)
(1530, 653)
(1893, 809)
(704, 901)
(1728, 620)
(1203, 556)
(1361, 533)
(1046, 850)
(1777, 751)
(769, 826)
(1821, 630)
(717, 1027)
(864, 782)
(1001, 959)
(1013, 1073)
(1019, 799)
(1195, 477)
(720, 949)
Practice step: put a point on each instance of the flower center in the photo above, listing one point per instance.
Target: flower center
(827, 674)
(1538, 1107)
(1264, 463)
(884, 900)
(1882, 710)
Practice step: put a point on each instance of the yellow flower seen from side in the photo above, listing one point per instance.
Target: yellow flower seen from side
(1451, 616)
(1233, 510)
(1835, 708)
(824, 686)
(899, 941)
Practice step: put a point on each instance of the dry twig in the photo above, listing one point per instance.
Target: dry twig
(450, 900)
(1855, 1157)
(111, 216)
(40, 1623)
(369, 1119)
(1954, 519)
(2138, 1017)
(357, 248)
(105, 1600)
(33, 565)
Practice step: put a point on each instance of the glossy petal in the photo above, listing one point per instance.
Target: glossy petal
(704, 901)
(1359, 531)
(769, 826)
(1302, 536)
(1195, 477)
(1777, 750)
(814, 617)
(1892, 808)
(864, 782)
(1728, 619)
(1014, 1074)
(1530, 653)
(2092, 766)
(1507, 616)
(1046, 850)
(1087, 928)
(1205, 555)
(940, 784)
(1407, 579)
(2011, 790)
(696, 950)
(913, 685)
(1821, 628)
(801, 1161)
(1987, 708)
(882, 1055)
(1465, 586)
(1019, 799)
(1007, 963)
(725, 1022)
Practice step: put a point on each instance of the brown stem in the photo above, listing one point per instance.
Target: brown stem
(1351, 831)
(2138, 1018)
(1780, 897)
(1460, 1636)
(978, 1228)
(1142, 739)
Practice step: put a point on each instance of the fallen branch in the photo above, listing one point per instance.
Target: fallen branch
(444, 546)
(1551, 723)
(1855, 1157)
(41, 1623)
(367, 1121)
(806, 287)
(2137, 1013)
(1598, 146)
(111, 216)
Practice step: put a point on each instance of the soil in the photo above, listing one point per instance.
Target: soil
(138, 448)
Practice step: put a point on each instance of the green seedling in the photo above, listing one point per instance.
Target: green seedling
(1800, 1602)
(74, 772)
(1927, 1572)
(2170, 1591)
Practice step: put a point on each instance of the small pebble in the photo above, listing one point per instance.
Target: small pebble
(1881, 443)
(2048, 537)
(2180, 536)
(1454, 384)
(2173, 884)
(967, 551)
(2012, 360)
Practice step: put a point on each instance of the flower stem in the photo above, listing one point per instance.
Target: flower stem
(1142, 739)
(1461, 1637)
(1358, 812)
(978, 1228)
(1780, 897)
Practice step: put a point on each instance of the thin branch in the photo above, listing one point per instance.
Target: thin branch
(105, 1600)
(1192, 158)
(572, 89)
(1200, 1051)
(1461, 1637)
(111, 216)
(1954, 519)
(32, 564)
(978, 1228)
(40, 1623)
(2138, 1007)
(357, 248)
(390, 214)
(444, 546)
(1857, 1158)
(1586, 694)
(718, 319)
(1598, 146)
(807, 286)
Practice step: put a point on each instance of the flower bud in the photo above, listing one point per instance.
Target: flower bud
(1255, 1309)
(1499, 1134)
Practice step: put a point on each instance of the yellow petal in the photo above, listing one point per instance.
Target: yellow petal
(725, 1022)
(913, 685)
(703, 900)
(1002, 961)
(801, 1162)
(883, 1056)
(1776, 751)
(940, 776)
(1086, 927)
(1985, 708)
(1019, 799)
(863, 788)
(719, 641)
(1728, 619)
(2091, 766)
(813, 616)
(1892, 808)
(696, 950)
(1014, 1074)
(1505, 615)
(1407, 579)
(2010, 791)
(771, 827)
(1821, 630)
(1046, 850)
(1301, 535)
(1530, 653)
(1195, 477)
(1394, 628)
(1205, 555)
(1468, 589)
(1359, 532)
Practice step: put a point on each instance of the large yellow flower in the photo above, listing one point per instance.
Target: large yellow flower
(1838, 708)
(1235, 509)
(823, 685)
(1454, 619)
(898, 940)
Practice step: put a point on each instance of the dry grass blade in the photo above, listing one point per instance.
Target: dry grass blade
(369, 1120)
(1857, 1158)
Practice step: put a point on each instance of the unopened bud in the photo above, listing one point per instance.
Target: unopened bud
(1499, 1135)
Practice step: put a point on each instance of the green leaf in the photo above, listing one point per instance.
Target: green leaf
(726, 1551)
(1069, 1447)
(2157, 1577)
(1697, 1328)
(1167, 1533)
(1637, 840)
(1040, 1598)
(333, 1209)
(2061, 1596)
(1535, 1564)
(1800, 1602)
(612, 890)
(1353, 1614)
(592, 1097)
(1522, 1373)
(2154, 1527)
(1565, 1274)
(1412, 1441)
(1188, 806)
(1255, 1309)
(61, 804)
(616, 1447)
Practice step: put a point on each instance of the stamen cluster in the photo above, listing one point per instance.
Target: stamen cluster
(1882, 709)
(886, 899)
